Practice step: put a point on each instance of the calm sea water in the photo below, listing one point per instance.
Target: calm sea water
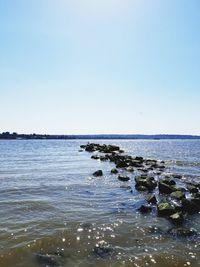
(49, 201)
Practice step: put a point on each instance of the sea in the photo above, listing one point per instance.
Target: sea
(54, 212)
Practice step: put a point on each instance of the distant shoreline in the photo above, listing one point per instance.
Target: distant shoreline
(16, 136)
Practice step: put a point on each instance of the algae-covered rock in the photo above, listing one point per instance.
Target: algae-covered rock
(177, 195)
(165, 209)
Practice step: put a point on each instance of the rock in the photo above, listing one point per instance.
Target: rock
(126, 187)
(102, 250)
(121, 164)
(152, 199)
(95, 157)
(129, 169)
(98, 173)
(165, 209)
(196, 201)
(192, 189)
(146, 181)
(141, 188)
(178, 195)
(50, 259)
(197, 195)
(177, 176)
(90, 148)
(114, 171)
(123, 178)
(150, 161)
(177, 218)
(136, 163)
(145, 209)
(139, 158)
(165, 188)
(182, 232)
(189, 206)
(80, 150)
(168, 181)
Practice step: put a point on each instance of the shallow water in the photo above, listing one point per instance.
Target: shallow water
(50, 202)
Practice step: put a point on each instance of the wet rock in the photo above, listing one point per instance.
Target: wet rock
(102, 250)
(126, 187)
(168, 181)
(103, 158)
(95, 157)
(141, 188)
(98, 173)
(192, 189)
(150, 161)
(152, 199)
(145, 209)
(139, 159)
(114, 171)
(189, 206)
(123, 178)
(177, 176)
(196, 201)
(165, 209)
(182, 232)
(146, 181)
(129, 169)
(121, 164)
(177, 195)
(197, 195)
(165, 188)
(136, 163)
(177, 218)
(50, 259)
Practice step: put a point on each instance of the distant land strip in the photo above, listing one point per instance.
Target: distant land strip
(16, 136)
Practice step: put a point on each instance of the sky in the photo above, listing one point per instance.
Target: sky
(100, 66)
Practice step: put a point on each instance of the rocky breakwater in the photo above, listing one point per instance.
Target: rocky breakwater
(164, 195)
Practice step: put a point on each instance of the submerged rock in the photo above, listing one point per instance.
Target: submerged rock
(50, 259)
(190, 206)
(102, 250)
(145, 209)
(98, 173)
(177, 218)
(182, 232)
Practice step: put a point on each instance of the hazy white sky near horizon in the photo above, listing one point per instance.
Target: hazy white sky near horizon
(104, 66)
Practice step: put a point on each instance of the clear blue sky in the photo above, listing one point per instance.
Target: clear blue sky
(103, 66)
